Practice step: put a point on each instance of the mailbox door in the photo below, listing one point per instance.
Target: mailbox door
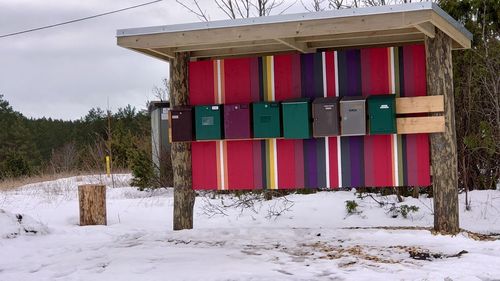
(237, 121)
(266, 120)
(353, 116)
(208, 122)
(296, 120)
(181, 123)
(325, 118)
(382, 115)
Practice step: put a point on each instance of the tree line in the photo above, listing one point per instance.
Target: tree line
(30, 146)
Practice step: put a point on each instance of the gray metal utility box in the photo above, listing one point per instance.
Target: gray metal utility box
(353, 116)
(325, 117)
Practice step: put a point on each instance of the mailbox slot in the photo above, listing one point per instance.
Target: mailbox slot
(353, 116)
(382, 114)
(237, 121)
(296, 115)
(266, 120)
(325, 116)
(208, 122)
(181, 124)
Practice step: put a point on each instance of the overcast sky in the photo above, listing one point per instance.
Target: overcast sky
(64, 71)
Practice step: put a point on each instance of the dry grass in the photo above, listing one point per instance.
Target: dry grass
(10, 184)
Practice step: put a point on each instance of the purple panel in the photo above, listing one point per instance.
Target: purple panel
(237, 121)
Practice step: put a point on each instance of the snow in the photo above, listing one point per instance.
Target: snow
(310, 241)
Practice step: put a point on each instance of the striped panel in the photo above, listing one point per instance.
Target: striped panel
(203, 89)
(314, 163)
(239, 155)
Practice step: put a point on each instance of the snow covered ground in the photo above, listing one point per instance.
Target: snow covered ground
(310, 241)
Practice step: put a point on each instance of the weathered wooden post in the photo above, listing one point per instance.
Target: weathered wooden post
(443, 145)
(184, 196)
(92, 199)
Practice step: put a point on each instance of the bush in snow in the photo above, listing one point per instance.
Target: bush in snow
(13, 225)
(351, 207)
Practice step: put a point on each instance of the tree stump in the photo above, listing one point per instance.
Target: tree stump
(92, 199)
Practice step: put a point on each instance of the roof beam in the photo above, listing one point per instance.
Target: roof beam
(299, 46)
(276, 48)
(369, 41)
(277, 30)
(223, 46)
(402, 31)
(427, 28)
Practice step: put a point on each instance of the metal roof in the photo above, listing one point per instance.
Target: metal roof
(163, 41)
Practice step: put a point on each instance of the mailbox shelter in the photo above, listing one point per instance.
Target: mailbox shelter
(403, 50)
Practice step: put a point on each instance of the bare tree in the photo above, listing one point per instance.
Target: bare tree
(314, 6)
(239, 8)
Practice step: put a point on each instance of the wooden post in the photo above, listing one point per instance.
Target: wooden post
(443, 145)
(184, 196)
(92, 204)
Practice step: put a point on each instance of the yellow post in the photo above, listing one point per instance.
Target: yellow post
(108, 166)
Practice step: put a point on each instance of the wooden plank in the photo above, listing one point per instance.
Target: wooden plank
(151, 54)
(450, 30)
(423, 104)
(276, 48)
(427, 28)
(367, 41)
(200, 47)
(376, 33)
(416, 125)
(299, 46)
(277, 30)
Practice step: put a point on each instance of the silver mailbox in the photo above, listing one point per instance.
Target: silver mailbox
(353, 116)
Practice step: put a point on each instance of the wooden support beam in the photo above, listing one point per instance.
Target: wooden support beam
(184, 196)
(276, 48)
(443, 145)
(418, 125)
(299, 46)
(200, 47)
(427, 28)
(365, 34)
(423, 104)
(370, 41)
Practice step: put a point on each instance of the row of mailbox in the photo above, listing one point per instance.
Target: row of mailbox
(294, 119)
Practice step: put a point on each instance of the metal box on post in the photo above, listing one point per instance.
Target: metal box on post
(237, 121)
(296, 115)
(382, 114)
(181, 124)
(266, 120)
(353, 116)
(325, 116)
(208, 122)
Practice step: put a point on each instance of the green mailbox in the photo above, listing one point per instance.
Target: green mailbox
(382, 114)
(266, 120)
(296, 116)
(208, 122)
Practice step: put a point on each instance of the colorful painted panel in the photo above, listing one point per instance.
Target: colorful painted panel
(377, 160)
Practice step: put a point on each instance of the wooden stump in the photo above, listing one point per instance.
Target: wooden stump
(92, 199)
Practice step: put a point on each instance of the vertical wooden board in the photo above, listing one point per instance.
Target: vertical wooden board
(333, 162)
(375, 77)
(287, 86)
(239, 166)
(203, 90)
(416, 146)
(202, 82)
(330, 74)
(331, 91)
(204, 159)
(352, 148)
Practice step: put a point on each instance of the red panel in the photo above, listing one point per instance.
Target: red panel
(375, 76)
(240, 165)
(204, 165)
(424, 173)
(286, 163)
(201, 82)
(287, 86)
(330, 76)
(334, 168)
(382, 160)
(237, 80)
(239, 154)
